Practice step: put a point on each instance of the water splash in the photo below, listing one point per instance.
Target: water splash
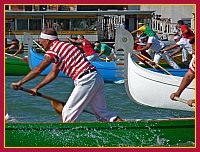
(119, 82)
(9, 118)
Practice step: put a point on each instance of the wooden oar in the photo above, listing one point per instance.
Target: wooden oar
(23, 59)
(39, 45)
(183, 101)
(141, 58)
(157, 65)
(57, 104)
(103, 59)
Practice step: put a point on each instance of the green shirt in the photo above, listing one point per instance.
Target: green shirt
(147, 30)
(20, 42)
(107, 49)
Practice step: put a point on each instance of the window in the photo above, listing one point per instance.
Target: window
(35, 24)
(72, 24)
(9, 25)
(28, 7)
(22, 24)
(63, 8)
(64, 24)
(83, 24)
(17, 7)
(53, 7)
(43, 7)
(57, 24)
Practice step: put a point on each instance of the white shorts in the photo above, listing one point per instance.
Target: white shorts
(112, 56)
(93, 57)
(159, 55)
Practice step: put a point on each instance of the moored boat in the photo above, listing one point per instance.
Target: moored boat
(16, 67)
(108, 70)
(148, 87)
(132, 133)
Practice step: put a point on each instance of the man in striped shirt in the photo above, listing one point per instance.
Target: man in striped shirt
(89, 84)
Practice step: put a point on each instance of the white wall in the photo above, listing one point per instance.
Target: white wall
(175, 12)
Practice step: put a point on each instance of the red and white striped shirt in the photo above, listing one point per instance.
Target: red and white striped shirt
(192, 68)
(69, 59)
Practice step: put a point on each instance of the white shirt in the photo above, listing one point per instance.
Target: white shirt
(157, 45)
(184, 43)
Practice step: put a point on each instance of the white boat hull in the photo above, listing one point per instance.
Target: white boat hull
(148, 87)
(154, 89)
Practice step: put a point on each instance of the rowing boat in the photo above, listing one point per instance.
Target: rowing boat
(108, 70)
(129, 133)
(174, 72)
(148, 87)
(132, 133)
(153, 89)
(16, 67)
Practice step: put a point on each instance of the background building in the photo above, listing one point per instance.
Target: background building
(96, 22)
(165, 17)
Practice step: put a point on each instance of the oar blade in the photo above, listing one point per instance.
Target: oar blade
(57, 107)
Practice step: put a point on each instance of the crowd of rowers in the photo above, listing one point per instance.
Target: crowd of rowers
(185, 42)
(148, 41)
(92, 52)
(145, 42)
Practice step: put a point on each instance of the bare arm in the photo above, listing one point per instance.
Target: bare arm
(10, 47)
(20, 49)
(101, 53)
(33, 73)
(184, 32)
(134, 31)
(169, 48)
(187, 79)
(176, 51)
(145, 47)
(49, 78)
(79, 41)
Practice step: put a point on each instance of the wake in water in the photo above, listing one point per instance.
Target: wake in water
(9, 118)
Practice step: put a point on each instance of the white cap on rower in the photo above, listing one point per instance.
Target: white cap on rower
(177, 37)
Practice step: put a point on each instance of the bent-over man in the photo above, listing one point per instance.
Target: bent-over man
(89, 84)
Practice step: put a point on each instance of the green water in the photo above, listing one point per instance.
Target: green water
(25, 108)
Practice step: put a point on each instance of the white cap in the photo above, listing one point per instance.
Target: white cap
(80, 36)
(177, 37)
